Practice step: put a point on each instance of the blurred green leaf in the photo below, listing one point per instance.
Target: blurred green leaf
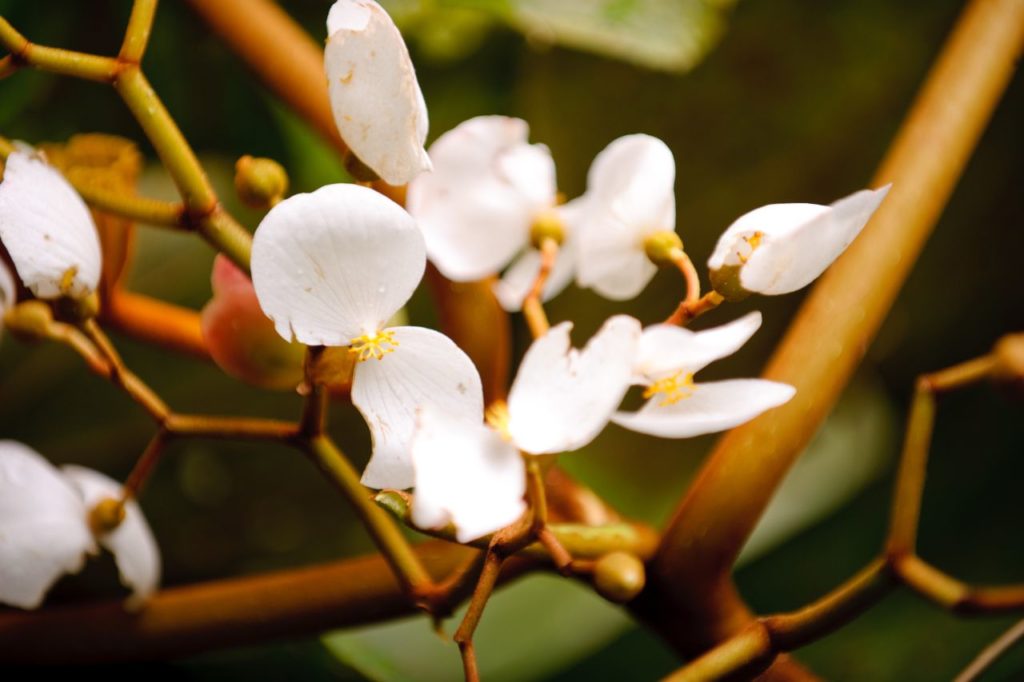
(530, 630)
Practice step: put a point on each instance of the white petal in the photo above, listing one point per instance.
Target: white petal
(132, 543)
(798, 242)
(476, 207)
(377, 102)
(465, 475)
(714, 406)
(426, 368)
(517, 281)
(666, 349)
(335, 264)
(47, 229)
(630, 191)
(562, 398)
(43, 528)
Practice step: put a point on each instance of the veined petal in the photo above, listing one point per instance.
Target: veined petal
(630, 192)
(666, 349)
(47, 229)
(335, 264)
(562, 397)
(466, 474)
(781, 248)
(710, 407)
(487, 187)
(425, 368)
(635, 176)
(377, 103)
(132, 543)
(43, 528)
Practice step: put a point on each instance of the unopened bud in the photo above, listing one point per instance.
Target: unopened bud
(260, 182)
(619, 577)
(726, 281)
(547, 225)
(1009, 368)
(29, 320)
(106, 516)
(662, 247)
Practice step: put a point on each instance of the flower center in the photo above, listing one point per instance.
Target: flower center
(67, 279)
(496, 416)
(546, 225)
(375, 345)
(749, 245)
(675, 388)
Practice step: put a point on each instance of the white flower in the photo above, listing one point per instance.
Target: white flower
(668, 358)
(44, 528)
(377, 102)
(466, 475)
(473, 476)
(489, 189)
(780, 248)
(630, 197)
(47, 229)
(331, 268)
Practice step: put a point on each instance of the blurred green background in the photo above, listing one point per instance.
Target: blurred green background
(796, 101)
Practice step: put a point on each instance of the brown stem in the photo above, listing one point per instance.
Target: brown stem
(838, 320)
(992, 653)
(533, 309)
(180, 621)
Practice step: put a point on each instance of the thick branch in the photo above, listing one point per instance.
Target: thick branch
(192, 619)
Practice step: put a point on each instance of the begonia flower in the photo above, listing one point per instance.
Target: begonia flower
(667, 359)
(473, 475)
(331, 268)
(377, 103)
(489, 199)
(630, 199)
(45, 530)
(781, 248)
(47, 229)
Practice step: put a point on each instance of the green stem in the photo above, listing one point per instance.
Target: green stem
(136, 36)
(52, 59)
(385, 533)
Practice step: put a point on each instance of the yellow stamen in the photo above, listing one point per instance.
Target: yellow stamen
(496, 416)
(753, 241)
(374, 346)
(67, 279)
(675, 388)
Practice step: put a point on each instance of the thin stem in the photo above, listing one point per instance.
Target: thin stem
(136, 36)
(154, 321)
(55, 60)
(533, 309)
(682, 261)
(314, 408)
(385, 533)
(992, 653)
(687, 311)
(237, 428)
(906, 508)
(124, 378)
(481, 594)
(136, 208)
(144, 466)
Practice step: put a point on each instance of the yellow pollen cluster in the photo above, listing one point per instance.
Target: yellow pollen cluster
(496, 417)
(753, 241)
(374, 346)
(67, 279)
(675, 388)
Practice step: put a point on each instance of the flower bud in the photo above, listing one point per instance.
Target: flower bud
(662, 247)
(619, 577)
(1009, 368)
(726, 281)
(106, 515)
(260, 182)
(29, 320)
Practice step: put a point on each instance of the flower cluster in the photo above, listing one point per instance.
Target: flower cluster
(331, 268)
